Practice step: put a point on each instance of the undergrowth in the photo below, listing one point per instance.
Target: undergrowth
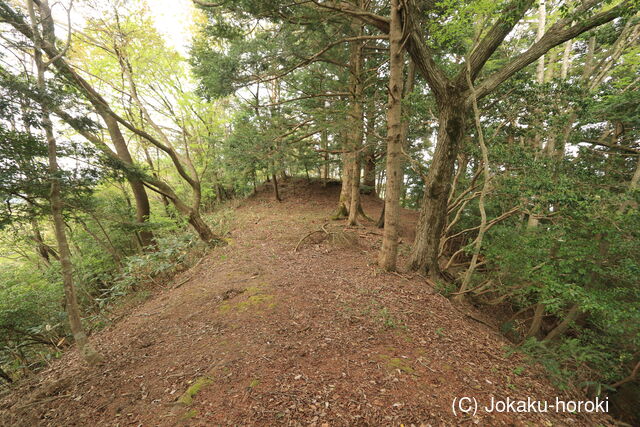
(32, 317)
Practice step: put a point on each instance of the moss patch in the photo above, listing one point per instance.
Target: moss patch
(256, 299)
(394, 363)
(187, 397)
(190, 414)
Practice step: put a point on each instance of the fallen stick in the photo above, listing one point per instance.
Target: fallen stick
(321, 230)
(37, 402)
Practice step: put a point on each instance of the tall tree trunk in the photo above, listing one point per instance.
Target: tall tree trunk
(369, 168)
(71, 301)
(566, 60)
(408, 88)
(551, 66)
(324, 143)
(355, 131)
(433, 212)
(143, 208)
(389, 251)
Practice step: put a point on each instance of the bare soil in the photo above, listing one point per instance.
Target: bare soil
(261, 334)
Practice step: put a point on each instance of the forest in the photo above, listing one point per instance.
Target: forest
(481, 156)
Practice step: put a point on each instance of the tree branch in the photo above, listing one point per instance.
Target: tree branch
(556, 35)
(496, 35)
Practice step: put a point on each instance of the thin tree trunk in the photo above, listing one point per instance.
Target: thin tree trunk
(483, 193)
(542, 20)
(355, 207)
(563, 326)
(566, 60)
(324, 143)
(276, 191)
(379, 184)
(71, 302)
(44, 250)
(255, 181)
(369, 173)
(551, 66)
(355, 131)
(536, 323)
(107, 246)
(389, 250)
(407, 90)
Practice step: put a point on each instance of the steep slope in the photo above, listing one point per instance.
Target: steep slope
(261, 333)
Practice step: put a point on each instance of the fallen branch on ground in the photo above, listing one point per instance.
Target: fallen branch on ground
(320, 230)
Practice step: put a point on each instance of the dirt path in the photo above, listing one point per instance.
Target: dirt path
(263, 335)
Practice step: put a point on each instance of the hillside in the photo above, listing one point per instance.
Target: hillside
(260, 333)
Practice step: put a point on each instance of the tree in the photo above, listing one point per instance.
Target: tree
(389, 250)
(452, 94)
(71, 302)
(113, 121)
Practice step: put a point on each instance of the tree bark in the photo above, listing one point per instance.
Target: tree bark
(433, 212)
(345, 190)
(389, 250)
(369, 174)
(355, 206)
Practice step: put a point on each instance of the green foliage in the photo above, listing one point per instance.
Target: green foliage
(571, 362)
(32, 317)
(143, 268)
